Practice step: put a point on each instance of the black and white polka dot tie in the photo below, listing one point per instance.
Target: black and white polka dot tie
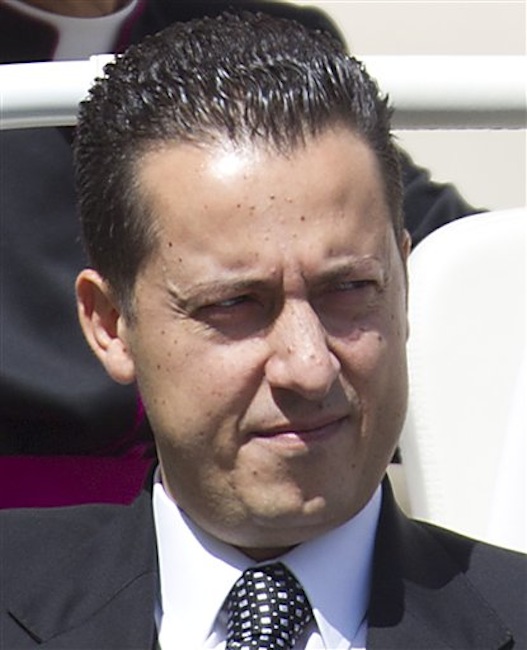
(267, 610)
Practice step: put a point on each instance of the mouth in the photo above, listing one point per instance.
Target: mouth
(302, 432)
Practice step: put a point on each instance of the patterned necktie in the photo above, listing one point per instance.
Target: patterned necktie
(267, 610)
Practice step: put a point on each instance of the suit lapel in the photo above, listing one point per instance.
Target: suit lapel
(421, 597)
(101, 594)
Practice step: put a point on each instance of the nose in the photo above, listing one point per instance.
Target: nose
(300, 359)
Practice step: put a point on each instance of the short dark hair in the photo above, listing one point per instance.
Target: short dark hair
(245, 76)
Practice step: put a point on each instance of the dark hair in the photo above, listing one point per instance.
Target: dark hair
(248, 77)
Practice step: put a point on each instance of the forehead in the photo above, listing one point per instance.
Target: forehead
(236, 202)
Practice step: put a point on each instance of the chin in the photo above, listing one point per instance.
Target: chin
(288, 524)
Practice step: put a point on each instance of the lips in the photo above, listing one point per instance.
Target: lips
(303, 430)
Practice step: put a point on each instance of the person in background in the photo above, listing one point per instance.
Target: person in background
(263, 319)
(54, 397)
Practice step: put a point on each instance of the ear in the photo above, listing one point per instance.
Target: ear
(104, 326)
(406, 248)
(406, 244)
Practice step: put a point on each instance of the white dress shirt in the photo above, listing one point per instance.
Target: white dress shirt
(197, 572)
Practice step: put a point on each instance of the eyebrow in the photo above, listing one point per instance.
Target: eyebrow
(215, 288)
(218, 288)
(349, 266)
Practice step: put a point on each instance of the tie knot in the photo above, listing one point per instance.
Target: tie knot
(267, 610)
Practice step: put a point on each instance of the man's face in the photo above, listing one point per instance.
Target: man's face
(269, 340)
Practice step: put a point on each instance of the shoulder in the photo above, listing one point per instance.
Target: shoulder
(64, 517)
(39, 529)
(42, 542)
(483, 562)
(66, 573)
(35, 538)
(426, 575)
(497, 575)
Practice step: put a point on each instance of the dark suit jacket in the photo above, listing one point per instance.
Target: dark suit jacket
(86, 578)
(54, 395)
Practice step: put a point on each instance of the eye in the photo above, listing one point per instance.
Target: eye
(235, 317)
(343, 301)
(227, 308)
(354, 285)
(229, 303)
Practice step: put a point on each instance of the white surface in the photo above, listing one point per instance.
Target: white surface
(488, 167)
(425, 91)
(467, 313)
(463, 27)
(45, 93)
(433, 91)
(510, 495)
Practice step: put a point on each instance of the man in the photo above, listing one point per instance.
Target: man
(241, 205)
(55, 399)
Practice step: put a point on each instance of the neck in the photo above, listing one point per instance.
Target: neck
(79, 8)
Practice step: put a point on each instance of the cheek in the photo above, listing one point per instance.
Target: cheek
(186, 383)
(364, 353)
(374, 363)
(385, 387)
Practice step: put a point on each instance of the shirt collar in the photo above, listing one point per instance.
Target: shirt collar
(204, 573)
(334, 570)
